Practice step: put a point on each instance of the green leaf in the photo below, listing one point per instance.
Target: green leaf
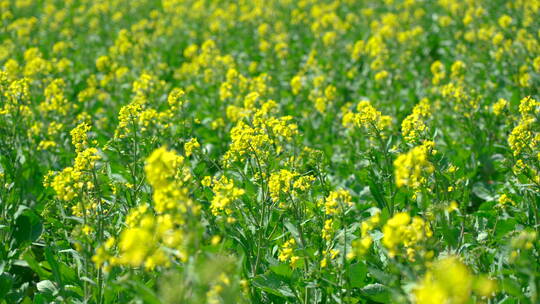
(511, 287)
(145, 293)
(450, 233)
(6, 282)
(487, 206)
(357, 274)
(28, 227)
(293, 230)
(377, 194)
(46, 286)
(55, 268)
(34, 265)
(283, 270)
(378, 293)
(271, 283)
(380, 275)
(482, 191)
(504, 226)
(74, 290)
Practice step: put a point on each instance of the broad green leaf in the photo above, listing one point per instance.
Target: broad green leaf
(46, 286)
(28, 227)
(357, 274)
(377, 292)
(271, 283)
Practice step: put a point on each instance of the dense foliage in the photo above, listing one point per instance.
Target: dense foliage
(269, 151)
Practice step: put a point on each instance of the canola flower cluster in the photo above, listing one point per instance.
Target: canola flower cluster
(286, 253)
(402, 230)
(449, 281)
(74, 181)
(156, 234)
(525, 137)
(361, 246)
(264, 131)
(412, 169)
(413, 126)
(286, 184)
(368, 118)
(225, 193)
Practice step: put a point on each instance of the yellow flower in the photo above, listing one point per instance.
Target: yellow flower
(72, 181)
(191, 145)
(504, 21)
(103, 63)
(412, 167)
(328, 256)
(337, 201)
(18, 91)
(448, 281)
(445, 21)
(280, 182)
(413, 126)
(285, 183)
(329, 38)
(453, 206)
(190, 51)
(215, 240)
(536, 64)
(174, 99)
(46, 144)
(55, 101)
(148, 233)
(296, 84)
(457, 69)
(225, 193)
(328, 229)
(360, 246)
(437, 69)
(264, 132)
(87, 229)
(528, 106)
(522, 138)
(401, 230)
(145, 84)
(367, 117)
(499, 106)
(161, 167)
(135, 246)
(381, 75)
(505, 200)
(286, 253)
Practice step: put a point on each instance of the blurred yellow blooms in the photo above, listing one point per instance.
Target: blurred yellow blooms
(450, 281)
(500, 106)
